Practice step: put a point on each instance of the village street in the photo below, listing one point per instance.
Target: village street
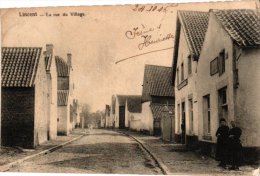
(100, 151)
(110, 151)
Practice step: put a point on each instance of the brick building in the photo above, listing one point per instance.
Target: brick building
(24, 97)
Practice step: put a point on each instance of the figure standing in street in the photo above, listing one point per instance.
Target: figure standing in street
(235, 145)
(114, 124)
(222, 143)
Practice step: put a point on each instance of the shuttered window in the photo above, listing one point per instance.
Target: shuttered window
(221, 62)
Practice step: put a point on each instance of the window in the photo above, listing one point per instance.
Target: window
(223, 105)
(182, 72)
(178, 81)
(191, 114)
(214, 66)
(221, 62)
(206, 114)
(189, 66)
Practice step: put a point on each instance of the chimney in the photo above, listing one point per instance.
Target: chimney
(49, 49)
(69, 60)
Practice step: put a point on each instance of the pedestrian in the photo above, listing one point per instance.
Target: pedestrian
(114, 125)
(235, 145)
(222, 142)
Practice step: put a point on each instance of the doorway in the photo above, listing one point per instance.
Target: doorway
(183, 123)
(121, 117)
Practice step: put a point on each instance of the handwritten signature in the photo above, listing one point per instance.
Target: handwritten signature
(148, 40)
(146, 34)
(137, 32)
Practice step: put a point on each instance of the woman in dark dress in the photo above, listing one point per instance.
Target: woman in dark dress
(235, 146)
(222, 143)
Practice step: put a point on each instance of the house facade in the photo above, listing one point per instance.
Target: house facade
(228, 70)
(52, 91)
(24, 94)
(64, 95)
(133, 111)
(157, 91)
(191, 27)
(119, 119)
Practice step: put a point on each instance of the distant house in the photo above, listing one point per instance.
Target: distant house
(108, 117)
(133, 111)
(157, 91)
(24, 97)
(228, 76)
(102, 120)
(65, 104)
(52, 91)
(75, 107)
(118, 107)
(191, 27)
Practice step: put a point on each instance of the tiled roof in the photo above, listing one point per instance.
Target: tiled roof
(122, 99)
(134, 104)
(62, 67)
(159, 110)
(242, 25)
(63, 97)
(195, 25)
(157, 82)
(19, 66)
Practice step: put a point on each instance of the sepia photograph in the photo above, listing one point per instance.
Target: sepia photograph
(139, 89)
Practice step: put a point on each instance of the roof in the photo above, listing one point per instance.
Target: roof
(19, 66)
(134, 104)
(242, 25)
(159, 110)
(62, 67)
(195, 25)
(122, 99)
(63, 97)
(157, 82)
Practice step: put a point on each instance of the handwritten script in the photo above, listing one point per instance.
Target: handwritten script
(147, 35)
(154, 8)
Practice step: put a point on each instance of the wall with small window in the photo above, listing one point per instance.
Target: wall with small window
(247, 96)
(215, 89)
(186, 122)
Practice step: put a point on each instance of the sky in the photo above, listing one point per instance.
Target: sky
(100, 38)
